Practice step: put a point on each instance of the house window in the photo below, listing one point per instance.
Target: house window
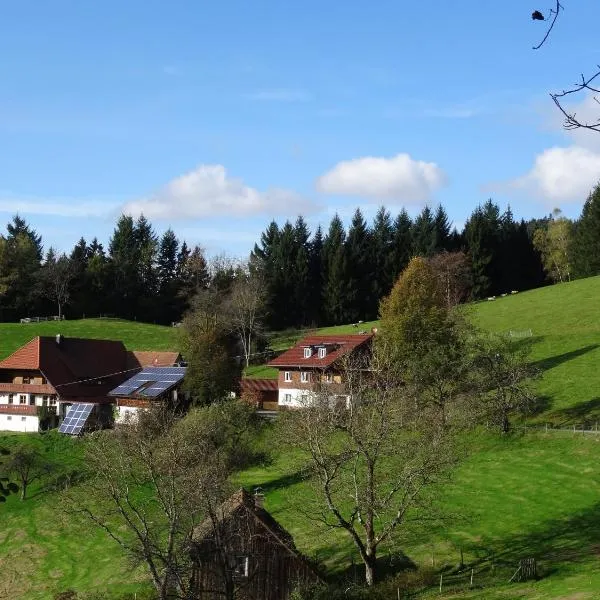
(11, 398)
(322, 352)
(241, 566)
(26, 379)
(304, 376)
(329, 377)
(52, 401)
(9, 418)
(304, 400)
(22, 399)
(23, 418)
(307, 352)
(32, 400)
(287, 399)
(287, 376)
(44, 400)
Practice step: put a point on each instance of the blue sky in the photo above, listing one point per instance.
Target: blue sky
(213, 118)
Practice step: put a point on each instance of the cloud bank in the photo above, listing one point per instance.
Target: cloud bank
(400, 178)
(208, 191)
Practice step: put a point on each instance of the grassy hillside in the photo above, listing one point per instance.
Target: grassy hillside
(534, 495)
(135, 336)
(564, 321)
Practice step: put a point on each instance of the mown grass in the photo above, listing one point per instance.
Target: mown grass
(135, 335)
(46, 548)
(564, 321)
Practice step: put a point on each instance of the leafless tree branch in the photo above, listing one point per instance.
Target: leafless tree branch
(554, 12)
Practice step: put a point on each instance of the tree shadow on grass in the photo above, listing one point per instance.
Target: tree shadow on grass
(583, 412)
(559, 541)
(283, 482)
(554, 361)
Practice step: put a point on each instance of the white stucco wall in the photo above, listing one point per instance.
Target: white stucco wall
(295, 398)
(126, 413)
(22, 423)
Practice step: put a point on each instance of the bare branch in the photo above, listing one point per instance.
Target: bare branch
(554, 11)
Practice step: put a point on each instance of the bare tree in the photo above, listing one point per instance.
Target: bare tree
(27, 466)
(246, 304)
(7, 487)
(454, 275)
(506, 378)
(375, 458)
(57, 277)
(152, 481)
(587, 83)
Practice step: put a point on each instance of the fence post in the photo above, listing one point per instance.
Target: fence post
(441, 580)
(472, 577)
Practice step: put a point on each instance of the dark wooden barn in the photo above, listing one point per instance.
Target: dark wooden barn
(243, 553)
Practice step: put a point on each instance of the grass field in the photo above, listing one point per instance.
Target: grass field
(135, 336)
(526, 495)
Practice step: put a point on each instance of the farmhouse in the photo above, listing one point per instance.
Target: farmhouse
(316, 361)
(148, 386)
(245, 551)
(40, 381)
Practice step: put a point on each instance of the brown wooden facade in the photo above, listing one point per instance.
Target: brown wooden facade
(244, 554)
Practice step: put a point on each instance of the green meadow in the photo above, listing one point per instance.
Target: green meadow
(531, 494)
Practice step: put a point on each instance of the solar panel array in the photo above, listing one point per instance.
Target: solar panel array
(151, 382)
(76, 419)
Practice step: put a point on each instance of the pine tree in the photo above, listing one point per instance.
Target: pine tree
(123, 253)
(263, 259)
(20, 227)
(167, 276)
(586, 240)
(335, 288)
(424, 233)
(441, 231)
(316, 278)
(79, 260)
(402, 244)
(382, 259)
(359, 256)
(302, 299)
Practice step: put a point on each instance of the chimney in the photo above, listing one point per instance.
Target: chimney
(59, 338)
(259, 497)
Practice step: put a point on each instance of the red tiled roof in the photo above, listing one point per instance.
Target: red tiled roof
(26, 357)
(66, 365)
(339, 345)
(143, 358)
(259, 385)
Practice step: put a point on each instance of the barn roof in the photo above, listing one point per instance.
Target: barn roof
(336, 347)
(244, 501)
(249, 384)
(74, 367)
(151, 358)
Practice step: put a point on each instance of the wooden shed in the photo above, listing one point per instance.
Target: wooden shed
(243, 553)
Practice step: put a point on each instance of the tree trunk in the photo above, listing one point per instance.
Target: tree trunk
(370, 560)
(505, 423)
(23, 490)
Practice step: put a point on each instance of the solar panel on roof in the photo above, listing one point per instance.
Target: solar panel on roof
(150, 382)
(76, 419)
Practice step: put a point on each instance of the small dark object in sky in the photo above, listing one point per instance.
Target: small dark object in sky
(536, 15)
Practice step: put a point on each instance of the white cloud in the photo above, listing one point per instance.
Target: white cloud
(398, 178)
(62, 208)
(279, 95)
(561, 175)
(207, 191)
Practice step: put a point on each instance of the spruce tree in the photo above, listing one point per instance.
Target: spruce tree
(586, 240)
(316, 278)
(335, 287)
(359, 257)
(167, 276)
(402, 244)
(382, 258)
(424, 233)
(302, 286)
(441, 231)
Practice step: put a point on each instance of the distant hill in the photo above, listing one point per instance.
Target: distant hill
(135, 336)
